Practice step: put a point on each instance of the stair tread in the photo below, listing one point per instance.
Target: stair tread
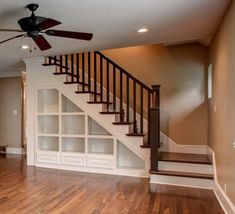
(110, 112)
(86, 92)
(184, 158)
(145, 146)
(182, 174)
(122, 123)
(135, 135)
(99, 102)
(75, 82)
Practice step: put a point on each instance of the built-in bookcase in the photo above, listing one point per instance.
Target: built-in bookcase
(67, 137)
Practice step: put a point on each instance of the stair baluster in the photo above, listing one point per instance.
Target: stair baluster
(95, 77)
(107, 84)
(127, 100)
(89, 70)
(83, 72)
(114, 88)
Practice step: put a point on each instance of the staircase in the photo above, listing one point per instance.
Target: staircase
(135, 107)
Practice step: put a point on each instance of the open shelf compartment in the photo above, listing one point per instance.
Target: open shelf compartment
(68, 106)
(48, 124)
(100, 146)
(126, 159)
(73, 124)
(95, 129)
(48, 101)
(48, 143)
(73, 144)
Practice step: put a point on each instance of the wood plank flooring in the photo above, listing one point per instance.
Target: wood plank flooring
(30, 190)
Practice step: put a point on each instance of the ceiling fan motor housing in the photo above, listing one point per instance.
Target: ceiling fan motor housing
(30, 24)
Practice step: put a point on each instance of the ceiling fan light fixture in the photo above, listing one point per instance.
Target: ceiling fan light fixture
(143, 30)
(24, 47)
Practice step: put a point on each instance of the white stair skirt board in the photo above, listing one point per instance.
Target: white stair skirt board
(168, 145)
(186, 167)
(182, 181)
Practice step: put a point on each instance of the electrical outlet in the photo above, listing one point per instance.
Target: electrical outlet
(225, 188)
(14, 112)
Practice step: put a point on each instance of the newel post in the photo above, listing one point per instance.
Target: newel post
(154, 127)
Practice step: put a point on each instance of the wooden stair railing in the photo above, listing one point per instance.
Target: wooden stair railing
(120, 91)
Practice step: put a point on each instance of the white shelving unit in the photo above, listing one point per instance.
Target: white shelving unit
(67, 138)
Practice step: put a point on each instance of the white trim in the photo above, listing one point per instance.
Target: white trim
(221, 196)
(120, 172)
(15, 150)
(168, 145)
(182, 181)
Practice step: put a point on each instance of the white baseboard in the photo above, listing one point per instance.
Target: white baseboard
(221, 196)
(15, 150)
(224, 200)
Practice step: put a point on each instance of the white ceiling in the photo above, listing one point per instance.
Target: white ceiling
(113, 23)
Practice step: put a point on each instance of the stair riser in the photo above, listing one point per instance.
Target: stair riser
(186, 167)
(182, 181)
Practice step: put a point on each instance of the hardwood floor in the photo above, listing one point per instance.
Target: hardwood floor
(30, 190)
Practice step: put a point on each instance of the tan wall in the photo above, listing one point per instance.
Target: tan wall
(222, 122)
(181, 71)
(10, 99)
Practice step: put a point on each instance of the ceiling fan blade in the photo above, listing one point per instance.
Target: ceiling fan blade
(41, 42)
(14, 37)
(10, 30)
(70, 34)
(48, 23)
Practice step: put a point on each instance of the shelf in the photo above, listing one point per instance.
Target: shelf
(101, 136)
(48, 114)
(73, 135)
(48, 100)
(100, 146)
(47, 135)
(48, 143)
(48, 124)
(73, 124)
(73, 113)
(95, 129)
(69, 106)
(74, 145)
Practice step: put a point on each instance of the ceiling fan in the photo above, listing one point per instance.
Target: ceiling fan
(34, 26)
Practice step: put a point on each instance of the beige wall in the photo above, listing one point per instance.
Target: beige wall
(222, 122)
(10, 99)
(181, 71)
